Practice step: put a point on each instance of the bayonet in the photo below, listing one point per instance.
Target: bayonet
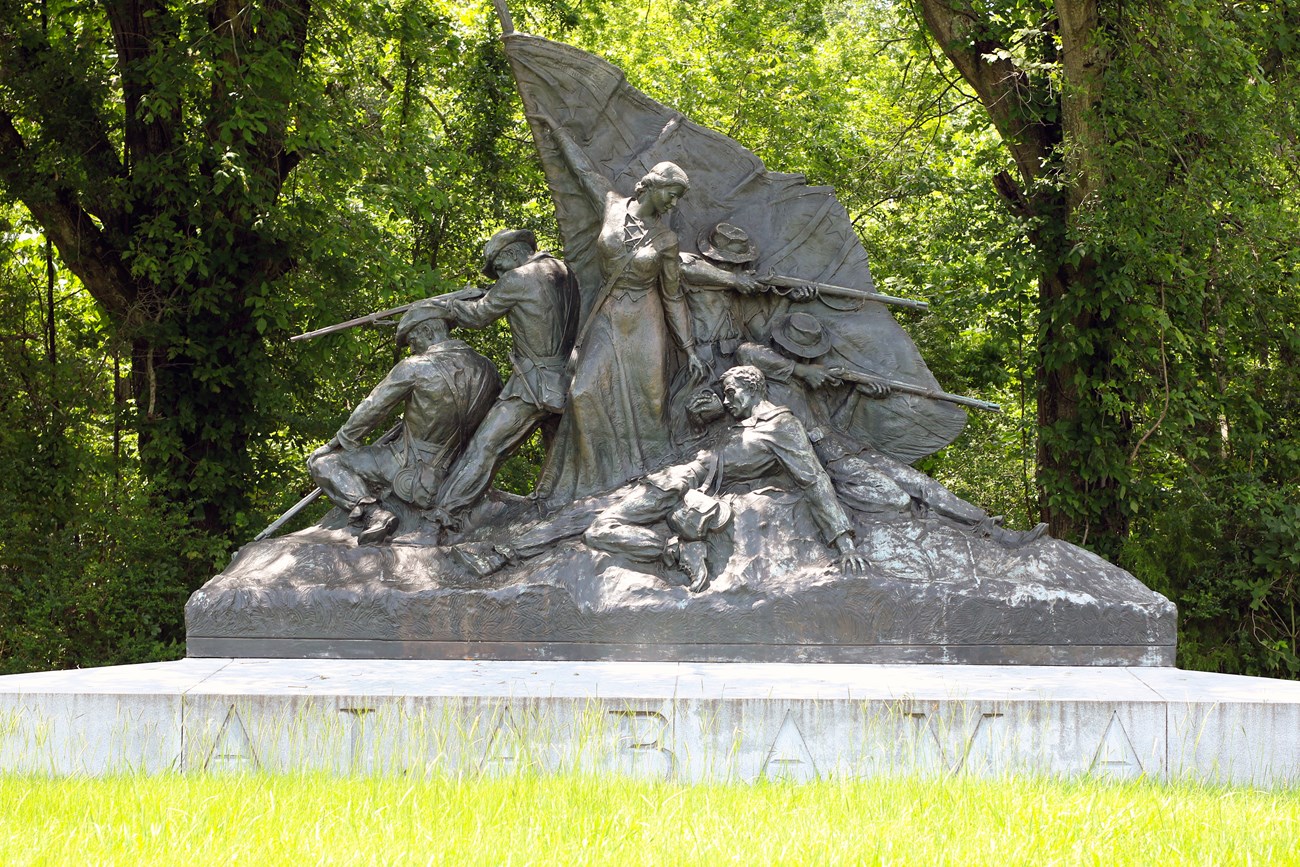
(468, 293)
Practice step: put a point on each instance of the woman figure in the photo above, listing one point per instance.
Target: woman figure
(616, 425)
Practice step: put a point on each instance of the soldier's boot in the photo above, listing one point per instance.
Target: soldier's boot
(992, 528)
(377, 523)
(691, 558)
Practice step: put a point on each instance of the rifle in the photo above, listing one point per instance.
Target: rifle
(908, 388)
(779, 282)
(393, 433)
(468, 293)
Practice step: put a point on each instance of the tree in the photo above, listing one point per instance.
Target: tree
(1038, 69)
(213, 178)
(152, 142)
(155, 167)
(1055, 78)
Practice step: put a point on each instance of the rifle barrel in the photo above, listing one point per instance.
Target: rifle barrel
(352, 323)
(843, 291)
(919, 390)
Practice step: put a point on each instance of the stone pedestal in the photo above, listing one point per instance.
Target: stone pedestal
(691, 722)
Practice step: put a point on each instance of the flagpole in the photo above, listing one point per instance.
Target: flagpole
(503, 12)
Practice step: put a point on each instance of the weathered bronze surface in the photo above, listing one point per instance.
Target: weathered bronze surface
(731, 412)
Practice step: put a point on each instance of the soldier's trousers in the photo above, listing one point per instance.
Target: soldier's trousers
(624, 528)
(507, 424)
(350, 477)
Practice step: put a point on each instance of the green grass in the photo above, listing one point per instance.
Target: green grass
(264, 819)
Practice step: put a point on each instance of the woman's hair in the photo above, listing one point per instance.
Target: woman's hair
(663, 174)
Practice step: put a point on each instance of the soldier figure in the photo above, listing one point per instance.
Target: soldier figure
(767, 440)
(723, 267)
(538, 296)
(446, 388)
(794, 363)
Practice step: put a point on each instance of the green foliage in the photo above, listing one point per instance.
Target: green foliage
(345, 158)
(242, 174)
(1227, 549)
(1199, 226)
(91, 570)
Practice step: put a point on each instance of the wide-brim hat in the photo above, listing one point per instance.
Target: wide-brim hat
(801, 334)
(499, 242)
(421, 311)
(727, 243)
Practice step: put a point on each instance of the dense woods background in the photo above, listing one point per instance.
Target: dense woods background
(1099, 199)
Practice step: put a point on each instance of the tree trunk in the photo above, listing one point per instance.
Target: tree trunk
(170, 237)
(1048, 128)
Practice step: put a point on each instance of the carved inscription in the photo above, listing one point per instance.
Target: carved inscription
(502, 754)
(641, 750)
(362, 758)
(923, 752)
(984, 754)
(788, 758)
(1115, 756)
(938, 745)
(232, 750)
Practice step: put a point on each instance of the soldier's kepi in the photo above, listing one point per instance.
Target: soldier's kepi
(445, 389)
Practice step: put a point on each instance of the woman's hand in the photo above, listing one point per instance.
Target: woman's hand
(544, 118)
(699, 367)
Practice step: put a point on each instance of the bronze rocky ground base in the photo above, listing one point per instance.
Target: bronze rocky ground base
(935, 593)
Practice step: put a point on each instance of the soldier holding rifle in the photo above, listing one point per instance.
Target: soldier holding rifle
(793, 364)
(445, 389)
(538, 296)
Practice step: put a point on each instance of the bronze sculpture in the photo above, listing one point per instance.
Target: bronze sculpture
(446, 389)
(824, 544)
(794, 364)
(617, 423)
(538, 296)
(767, 442)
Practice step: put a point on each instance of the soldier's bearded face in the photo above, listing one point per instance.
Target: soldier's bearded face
(511, 258)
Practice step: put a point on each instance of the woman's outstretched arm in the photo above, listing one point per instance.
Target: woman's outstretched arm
(593, 182)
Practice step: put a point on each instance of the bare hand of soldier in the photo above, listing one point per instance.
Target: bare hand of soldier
(331, 446)
(815, 375)
(850, 561)
(699, 367)
(747, 283)
(801, 294)
(874, 389)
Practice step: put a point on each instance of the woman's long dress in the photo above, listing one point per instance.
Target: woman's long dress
(615, 427)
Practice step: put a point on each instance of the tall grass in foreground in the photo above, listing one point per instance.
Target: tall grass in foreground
(263, 819)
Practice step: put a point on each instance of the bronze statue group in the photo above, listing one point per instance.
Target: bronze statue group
(687, 376)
